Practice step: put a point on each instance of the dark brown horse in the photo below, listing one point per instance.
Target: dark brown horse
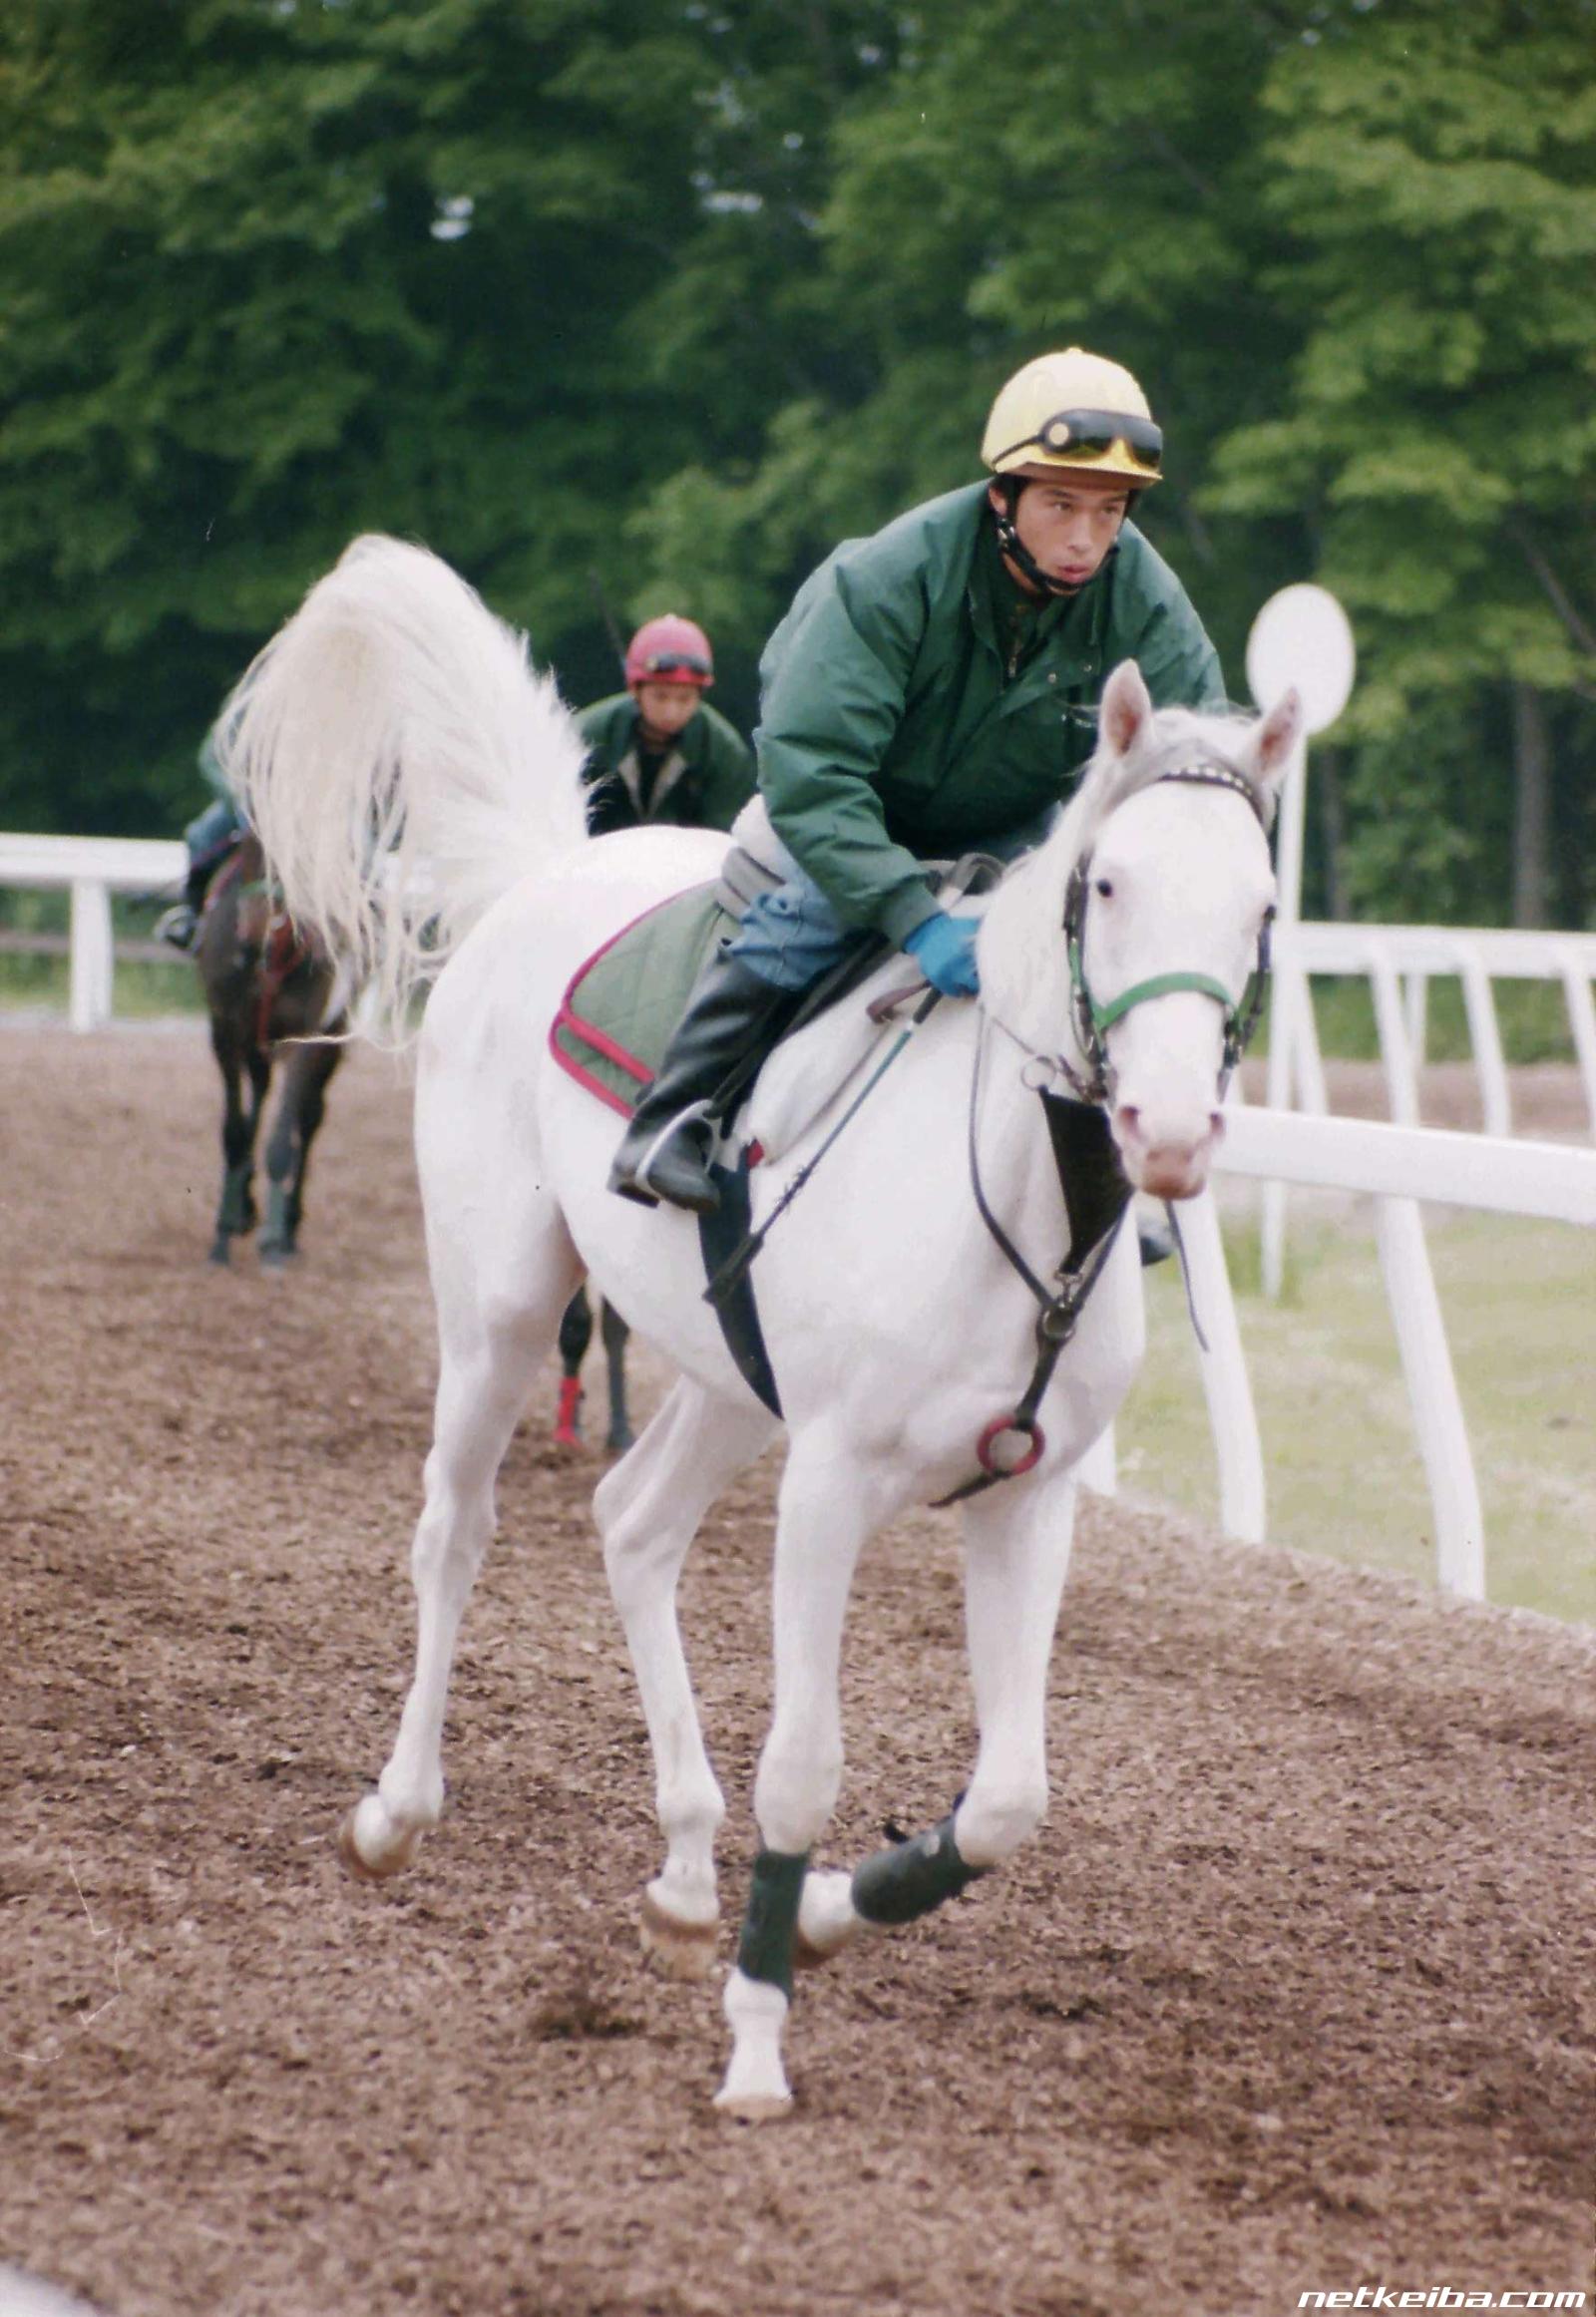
(264, 982)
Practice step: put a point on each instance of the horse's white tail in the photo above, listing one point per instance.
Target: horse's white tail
(402, 763)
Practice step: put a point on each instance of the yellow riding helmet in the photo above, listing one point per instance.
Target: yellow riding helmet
(1074, 409)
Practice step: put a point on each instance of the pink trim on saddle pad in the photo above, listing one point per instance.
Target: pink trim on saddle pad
(568, 1018)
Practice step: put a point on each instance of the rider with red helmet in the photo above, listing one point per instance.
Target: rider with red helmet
(659, 751)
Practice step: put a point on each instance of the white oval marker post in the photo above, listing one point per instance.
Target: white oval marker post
(1300, 636)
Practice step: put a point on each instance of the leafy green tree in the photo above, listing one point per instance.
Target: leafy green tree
(1439, 425)
(272, 273)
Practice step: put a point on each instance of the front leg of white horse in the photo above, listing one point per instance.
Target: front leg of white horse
(830, 1502)
(1016, 1557)
(648, 1508)
(1017, 1542)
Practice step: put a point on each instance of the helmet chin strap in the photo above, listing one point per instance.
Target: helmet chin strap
(1015, 548)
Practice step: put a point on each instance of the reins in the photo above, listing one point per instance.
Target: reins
(1096, 1192)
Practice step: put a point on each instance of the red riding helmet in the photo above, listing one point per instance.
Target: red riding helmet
(670, 650)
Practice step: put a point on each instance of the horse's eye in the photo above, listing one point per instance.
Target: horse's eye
(1105, 888)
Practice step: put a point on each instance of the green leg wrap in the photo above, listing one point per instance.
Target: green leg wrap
(765, 1950)
(900, 1884)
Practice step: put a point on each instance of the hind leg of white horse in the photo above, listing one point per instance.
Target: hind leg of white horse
(1016, 1556)
(648, 1508)
(499, 1307)
(830, 1502)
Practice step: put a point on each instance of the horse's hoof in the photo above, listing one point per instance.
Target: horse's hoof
(388, 1861)
(219, 1254)
(275, 1257)
(572, 1443)
(681, 1950)
(753, 2107)
(618, 1443)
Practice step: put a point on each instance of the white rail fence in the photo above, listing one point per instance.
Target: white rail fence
(1399, 1165)
(92, 869)
(1400, 961)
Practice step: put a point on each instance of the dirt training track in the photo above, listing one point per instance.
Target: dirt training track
(1293, 1991)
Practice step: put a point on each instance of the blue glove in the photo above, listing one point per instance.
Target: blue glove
(943, 948)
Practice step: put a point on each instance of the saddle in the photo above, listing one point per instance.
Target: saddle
(622, 1004)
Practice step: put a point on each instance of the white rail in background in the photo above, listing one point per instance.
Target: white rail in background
(91, 868)
(1399, 962)
(1398, 1166)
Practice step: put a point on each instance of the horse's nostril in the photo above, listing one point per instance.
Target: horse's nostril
(1128, 1119)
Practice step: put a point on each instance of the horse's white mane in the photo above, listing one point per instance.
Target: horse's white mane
(1025, 971)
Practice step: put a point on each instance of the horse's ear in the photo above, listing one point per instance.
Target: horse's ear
(1276, 736)
(1126, 706)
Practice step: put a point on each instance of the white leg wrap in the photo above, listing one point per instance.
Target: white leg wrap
(756, 2083)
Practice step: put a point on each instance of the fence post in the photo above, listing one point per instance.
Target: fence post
(1581, 1019)
(1401, 1083)
(1288, 1001)
(1485, 1039)
(1432, 1389)
(1231, 1415)
(1417, 1000)
(93, 957)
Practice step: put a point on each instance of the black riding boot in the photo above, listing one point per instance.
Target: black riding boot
(734, 1019)
(179, 923)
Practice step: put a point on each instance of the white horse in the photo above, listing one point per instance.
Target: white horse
(393, 704)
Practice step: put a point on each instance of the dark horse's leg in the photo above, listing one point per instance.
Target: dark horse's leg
(576, 1333)
(299, 1113)
(236, 1213)
(615, 1333)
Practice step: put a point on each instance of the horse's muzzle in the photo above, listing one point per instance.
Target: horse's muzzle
(1163, 1156)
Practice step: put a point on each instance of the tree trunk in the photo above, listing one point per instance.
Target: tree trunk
(1531, 806)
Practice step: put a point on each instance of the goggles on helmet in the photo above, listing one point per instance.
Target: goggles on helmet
(671, 663)
(1092, 434)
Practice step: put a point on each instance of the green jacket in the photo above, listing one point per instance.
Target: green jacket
(915, 704)
(706, 778)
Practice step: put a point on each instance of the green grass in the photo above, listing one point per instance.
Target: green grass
(1532, 1017)
(1342, 1464)
(141, 990)
(42, 983)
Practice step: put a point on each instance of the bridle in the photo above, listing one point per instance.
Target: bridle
(1092, 1021)
(1082, 1145)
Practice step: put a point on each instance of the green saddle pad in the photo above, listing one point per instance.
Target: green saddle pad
(620, 1006)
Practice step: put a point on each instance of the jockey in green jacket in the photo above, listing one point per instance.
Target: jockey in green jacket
(658, 750)
(933, 690)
